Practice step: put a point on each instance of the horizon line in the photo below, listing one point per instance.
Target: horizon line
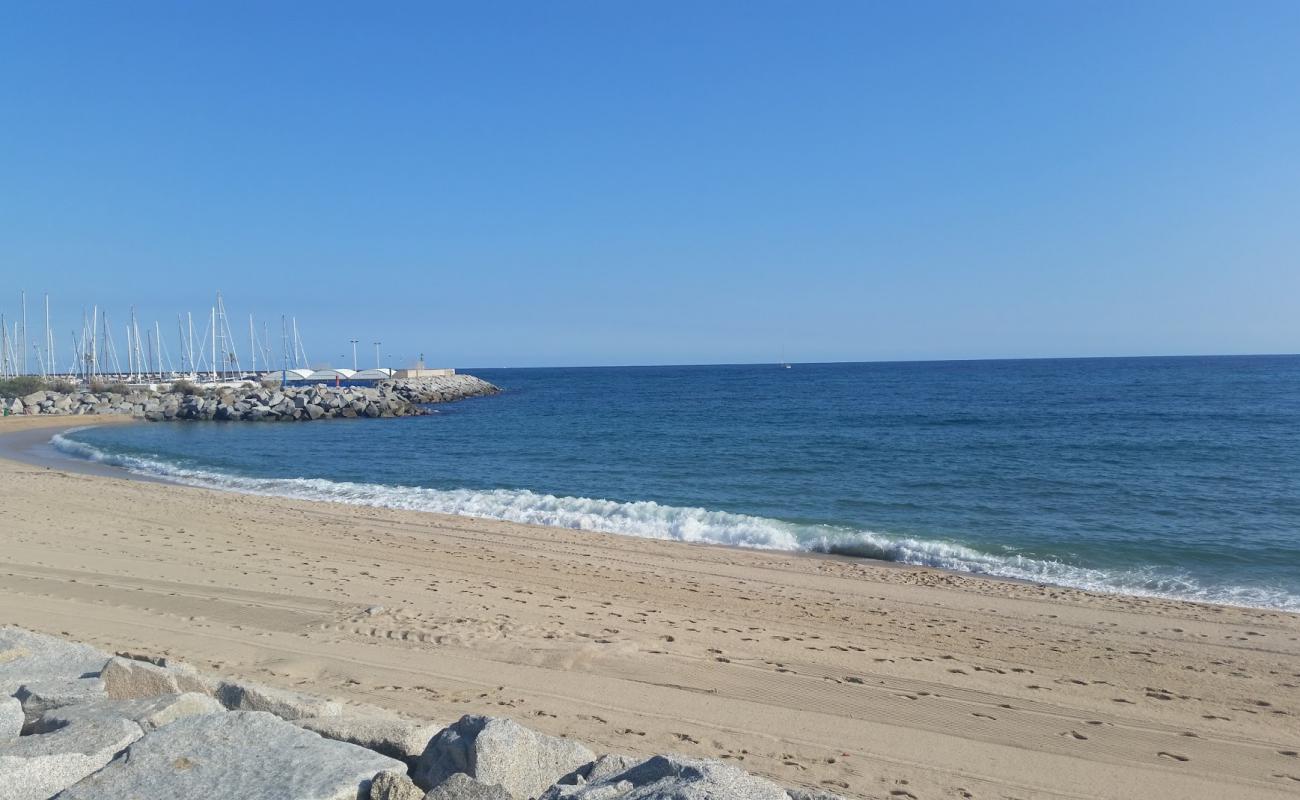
(891, 361)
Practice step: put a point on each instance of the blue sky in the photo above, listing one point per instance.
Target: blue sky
(500, 184)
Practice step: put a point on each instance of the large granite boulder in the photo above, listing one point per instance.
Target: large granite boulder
(27, 657)
(128, 678)
(248, 755)
(393, 786)
(11, 718)
(40, 696)
(499, 751)
(375, 729)
(462, 787)
(604, 767)
(150, 713)
(283, 703)
(672, 778)
(40, 766)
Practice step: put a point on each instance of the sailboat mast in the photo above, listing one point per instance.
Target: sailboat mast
(49, 338)
(25, 362)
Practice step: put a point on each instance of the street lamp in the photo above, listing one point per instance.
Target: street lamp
(354, 353)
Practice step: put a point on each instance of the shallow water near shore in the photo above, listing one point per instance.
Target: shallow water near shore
(1176, 477)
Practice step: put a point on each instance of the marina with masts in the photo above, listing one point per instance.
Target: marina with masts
(202, 351)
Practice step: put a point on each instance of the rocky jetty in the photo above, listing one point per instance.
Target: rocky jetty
(77, 723)
(252, 403)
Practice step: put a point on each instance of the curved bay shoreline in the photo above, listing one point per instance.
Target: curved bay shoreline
(857, 677)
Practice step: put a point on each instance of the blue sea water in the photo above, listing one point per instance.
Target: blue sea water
(1175, 477)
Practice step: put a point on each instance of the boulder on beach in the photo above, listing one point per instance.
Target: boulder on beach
(672, 778)
(462, 787)
(283, 703)
(41, 765)
(47, 694)
(127, 678)
(150, 713)
(499, 751)
(44, 672)
(11, 718)
(600, 769)
(812, 794)
(26, 657)
(377, 730)
(250, 755)
(394, 786)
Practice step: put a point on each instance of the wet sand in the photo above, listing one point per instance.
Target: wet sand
(867, 679)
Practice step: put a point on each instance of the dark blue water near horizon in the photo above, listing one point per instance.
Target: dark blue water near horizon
(1168, 476)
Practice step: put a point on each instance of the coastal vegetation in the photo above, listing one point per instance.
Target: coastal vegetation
(21, 385)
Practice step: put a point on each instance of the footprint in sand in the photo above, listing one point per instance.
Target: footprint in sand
(1075, 735)
(1174, 756)
(1289, 753)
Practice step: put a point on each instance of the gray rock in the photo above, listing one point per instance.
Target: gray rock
(282, 703)
(39, 766)
(11, 719)
(604, 767)
(149, 713)
(462, 787)
(28, 657)
(393, 786)
(403, 739)
(499, 751)
(812, 794)
(314, 411)
(126, 678)
(672, 778)
(48, 694)
(248, 755)
(44, 671)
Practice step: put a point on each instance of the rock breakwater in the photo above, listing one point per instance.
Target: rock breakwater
(79, 724)
(252, 403)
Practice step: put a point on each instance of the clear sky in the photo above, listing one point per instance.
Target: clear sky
(556, 183)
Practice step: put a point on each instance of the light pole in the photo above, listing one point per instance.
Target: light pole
(377, 354)
(354, 353)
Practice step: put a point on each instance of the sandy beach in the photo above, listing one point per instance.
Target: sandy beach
(862, 678)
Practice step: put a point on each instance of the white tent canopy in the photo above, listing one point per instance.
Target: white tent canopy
(330, 374)
(377, 374)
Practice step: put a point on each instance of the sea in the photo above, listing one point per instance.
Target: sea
(1168, 477)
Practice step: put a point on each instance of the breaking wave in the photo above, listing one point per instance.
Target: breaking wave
(651, 520)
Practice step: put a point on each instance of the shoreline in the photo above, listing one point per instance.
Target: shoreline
(858, 677)
(40, 454)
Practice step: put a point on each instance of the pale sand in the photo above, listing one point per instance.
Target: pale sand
(868, 679)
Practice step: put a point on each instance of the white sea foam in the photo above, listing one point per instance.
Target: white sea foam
(653, 520)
